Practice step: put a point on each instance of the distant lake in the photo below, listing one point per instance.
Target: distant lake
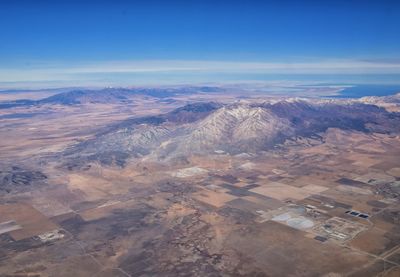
(358, 91)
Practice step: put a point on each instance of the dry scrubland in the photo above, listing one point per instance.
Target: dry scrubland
(326, 206)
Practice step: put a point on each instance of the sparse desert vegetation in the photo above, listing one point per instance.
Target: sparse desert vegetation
(262, 187)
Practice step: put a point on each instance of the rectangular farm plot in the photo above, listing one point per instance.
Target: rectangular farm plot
(213, 198)
(282, 191)
(30, 221)
(314, 188)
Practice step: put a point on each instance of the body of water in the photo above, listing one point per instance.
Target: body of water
(358, 91)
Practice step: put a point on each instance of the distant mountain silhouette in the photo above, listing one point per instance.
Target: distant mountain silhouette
(107, 95)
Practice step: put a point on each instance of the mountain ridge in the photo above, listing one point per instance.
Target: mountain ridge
(108, 95)
(202, 128)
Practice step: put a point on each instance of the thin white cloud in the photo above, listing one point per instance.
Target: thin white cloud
(329, 67)
(81, 71)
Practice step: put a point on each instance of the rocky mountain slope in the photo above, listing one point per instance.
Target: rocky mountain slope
(236, 128)
(395, 98)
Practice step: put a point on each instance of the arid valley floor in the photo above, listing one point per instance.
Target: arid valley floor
(205, 183)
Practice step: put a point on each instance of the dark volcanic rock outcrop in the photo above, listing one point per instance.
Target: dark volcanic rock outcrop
(20, 179)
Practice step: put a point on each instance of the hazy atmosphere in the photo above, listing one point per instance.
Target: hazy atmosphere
(54, 43)
(199, 138)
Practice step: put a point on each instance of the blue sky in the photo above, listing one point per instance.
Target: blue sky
(119, 42)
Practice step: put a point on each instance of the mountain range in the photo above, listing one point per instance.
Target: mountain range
(108, 95)
(203, 128)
